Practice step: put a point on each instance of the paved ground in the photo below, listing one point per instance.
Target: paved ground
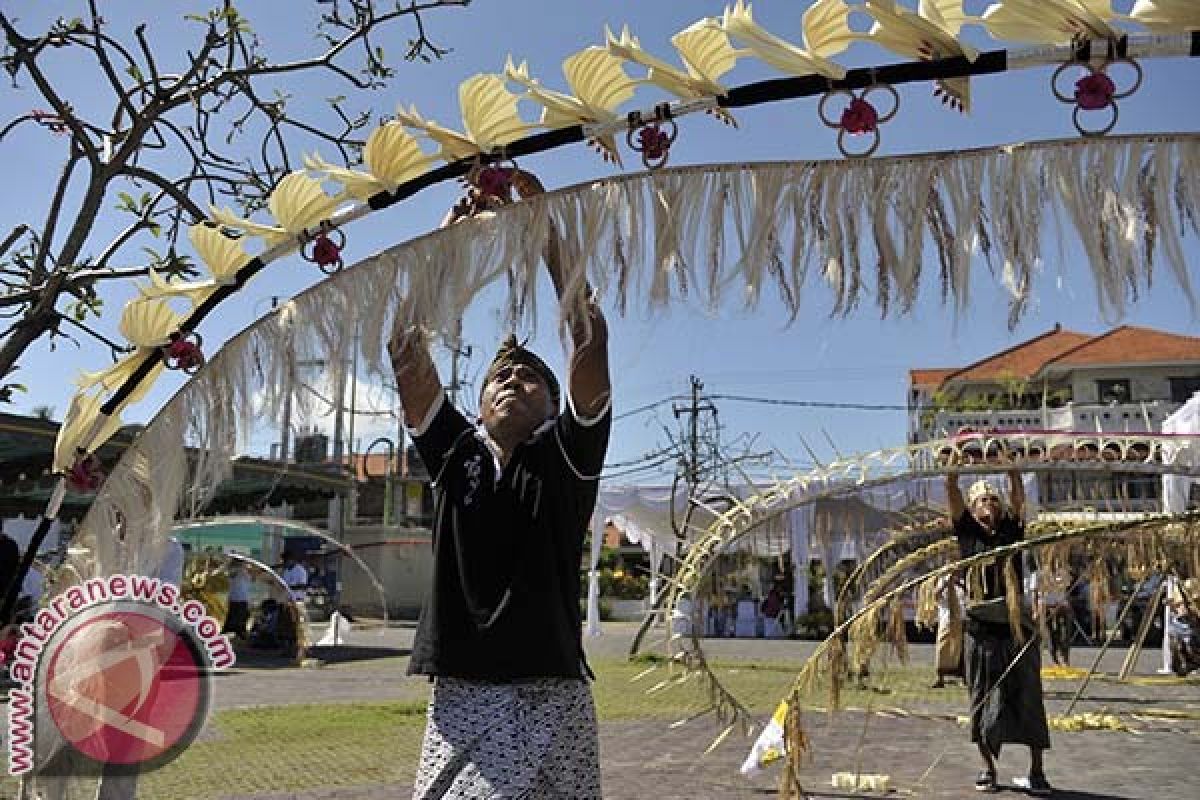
(924, 757)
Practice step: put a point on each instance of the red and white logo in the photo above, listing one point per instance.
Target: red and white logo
(127, 686)
(124, 665)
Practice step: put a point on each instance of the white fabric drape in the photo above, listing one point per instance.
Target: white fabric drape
(593, 597)
(801, 521)
(1177, 488)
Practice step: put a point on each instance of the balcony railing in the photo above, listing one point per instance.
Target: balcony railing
(1102, 418)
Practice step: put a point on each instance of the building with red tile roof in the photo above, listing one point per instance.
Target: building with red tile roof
(1128, 379)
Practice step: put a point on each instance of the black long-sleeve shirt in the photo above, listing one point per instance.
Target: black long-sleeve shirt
(504, 604)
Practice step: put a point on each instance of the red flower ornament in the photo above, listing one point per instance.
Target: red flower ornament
(860, 117)
(85, 475)
(183, 353)
(326, 251)
(1094, 91)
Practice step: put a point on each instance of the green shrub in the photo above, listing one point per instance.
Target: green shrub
(622, 585)
(605, 609)
(817, 623)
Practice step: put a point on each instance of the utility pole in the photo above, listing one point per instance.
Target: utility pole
(693, 411)
(454, 342)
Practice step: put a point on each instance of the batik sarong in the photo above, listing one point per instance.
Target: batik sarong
(532, 740)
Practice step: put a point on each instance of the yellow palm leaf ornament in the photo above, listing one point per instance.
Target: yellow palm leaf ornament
(1167, 16)
(392, 156)
(706, 53)
(82, 431)
(826, 33)
(489, 112)
(223, 255)
(1051, 21)
(928, 34)
(148, 325)
(599, 84)
(297, 203)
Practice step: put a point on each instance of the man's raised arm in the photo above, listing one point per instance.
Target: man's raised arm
(1016, 493)
(416, 377)
(954, 498)
(590, 385)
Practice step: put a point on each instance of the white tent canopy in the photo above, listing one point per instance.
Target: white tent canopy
(1177, 488)
(833, 529)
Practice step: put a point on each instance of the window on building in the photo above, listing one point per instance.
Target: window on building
(1113, 390)
(1182, 389)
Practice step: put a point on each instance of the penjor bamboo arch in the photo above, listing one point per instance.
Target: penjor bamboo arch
(926, 548)
(1065, 33)
(636, 235)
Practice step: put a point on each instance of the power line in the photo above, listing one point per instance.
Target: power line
(810, 403)
(334, 406)
(665, 451)
(647, 407)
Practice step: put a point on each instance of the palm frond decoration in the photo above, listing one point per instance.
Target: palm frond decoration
(929, 33)
(392, 156)
(1167, 16)
(827, 32)
(297, 203)
(1051, 21)
(489, 112)
(706, 53)
(223, 255)
(599, 84)
(452, 145)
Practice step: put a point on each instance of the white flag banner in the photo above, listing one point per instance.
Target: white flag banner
(769, 746)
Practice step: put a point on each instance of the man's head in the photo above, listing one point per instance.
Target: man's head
(983, 500)
(519, 393)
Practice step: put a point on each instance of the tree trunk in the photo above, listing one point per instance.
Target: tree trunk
(28, 331)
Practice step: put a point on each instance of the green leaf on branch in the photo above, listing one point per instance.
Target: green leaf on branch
(7, 389)
(171, 264)
(80, 310)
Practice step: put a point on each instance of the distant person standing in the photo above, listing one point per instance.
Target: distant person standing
(171, 565)
(296, 577)
(948, 648)
(1051, 587)
(239, 600)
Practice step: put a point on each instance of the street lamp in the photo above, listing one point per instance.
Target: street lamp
(387, 477)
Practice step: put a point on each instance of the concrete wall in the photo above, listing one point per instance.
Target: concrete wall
(1145, 383)
(402, 560)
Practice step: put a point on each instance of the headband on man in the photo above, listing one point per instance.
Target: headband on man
(511, 353)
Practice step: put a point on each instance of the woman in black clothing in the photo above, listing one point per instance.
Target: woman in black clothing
(1003, 670)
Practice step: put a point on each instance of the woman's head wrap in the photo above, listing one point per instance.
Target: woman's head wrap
(982, 488)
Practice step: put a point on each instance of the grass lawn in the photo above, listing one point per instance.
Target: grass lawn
(292, 748)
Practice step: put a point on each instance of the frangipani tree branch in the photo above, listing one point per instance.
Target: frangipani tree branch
(185, 124)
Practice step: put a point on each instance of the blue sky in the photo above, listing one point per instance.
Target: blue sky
(860, 359)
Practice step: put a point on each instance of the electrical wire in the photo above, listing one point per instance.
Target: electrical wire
(809, 403)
